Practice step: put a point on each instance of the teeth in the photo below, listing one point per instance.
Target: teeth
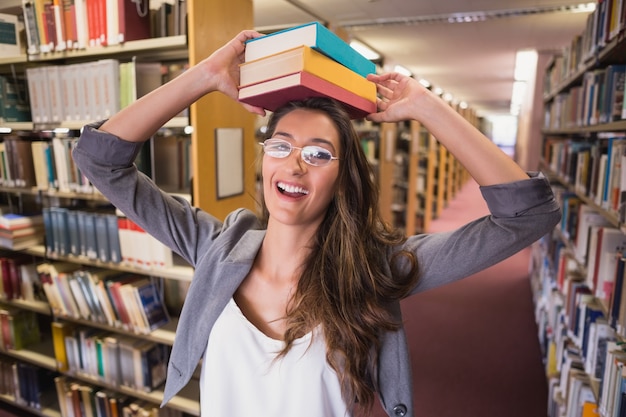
(292, 189)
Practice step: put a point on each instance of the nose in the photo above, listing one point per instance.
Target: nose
(296, 163)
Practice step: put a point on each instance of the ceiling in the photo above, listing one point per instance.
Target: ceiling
(473, 61)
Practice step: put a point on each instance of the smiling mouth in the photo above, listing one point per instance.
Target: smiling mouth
(291, 190)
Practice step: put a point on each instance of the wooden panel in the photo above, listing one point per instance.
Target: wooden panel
(211, 24)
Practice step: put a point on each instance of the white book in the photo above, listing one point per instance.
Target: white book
(161, 255)
(38, 94)
(59, 25)
(109, 85)
(57, 105)
(611, 242)
(591, 256)
(69, 85)
(112, 19)
(82, 35)
(587, 217)
(597, 196)
(61, 164)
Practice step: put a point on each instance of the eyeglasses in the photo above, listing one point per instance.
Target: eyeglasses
(312, 155)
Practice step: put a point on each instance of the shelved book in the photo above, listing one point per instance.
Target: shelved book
(281, 67)
(119, 360)
(27, 384)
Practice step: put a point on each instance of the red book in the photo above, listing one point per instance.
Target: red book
(7, 283)
(272, 94)
(134, 20)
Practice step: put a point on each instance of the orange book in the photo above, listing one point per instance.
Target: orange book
(590, 410)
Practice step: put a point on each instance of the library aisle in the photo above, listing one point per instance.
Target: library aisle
(474, 344)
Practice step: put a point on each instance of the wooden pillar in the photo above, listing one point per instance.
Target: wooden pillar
(411, 204)
(388, 134)
(212, 23)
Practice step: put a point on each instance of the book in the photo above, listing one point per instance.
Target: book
(133, 20)
(274, 93)
(314, 35)
(151, 305)
(12, 221)
(60, 330)
(304, 58)
(10, 40)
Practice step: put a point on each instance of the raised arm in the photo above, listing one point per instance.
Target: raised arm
(218, 72)
(404, 98)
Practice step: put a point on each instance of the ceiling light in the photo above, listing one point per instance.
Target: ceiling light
(468, 17)
(525, 65)
(425, 83)
(517, 96)
(365, 50)
(402, 70)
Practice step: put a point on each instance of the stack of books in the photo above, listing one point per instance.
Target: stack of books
(20, 231)
(306, 61)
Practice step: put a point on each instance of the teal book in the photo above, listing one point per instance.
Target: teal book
(314, 35)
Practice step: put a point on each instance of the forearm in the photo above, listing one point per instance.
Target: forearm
(142, 118)
(482, 158)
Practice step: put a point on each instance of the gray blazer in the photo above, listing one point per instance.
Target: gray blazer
(222, 253)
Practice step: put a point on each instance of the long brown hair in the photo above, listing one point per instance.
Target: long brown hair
(347, 284)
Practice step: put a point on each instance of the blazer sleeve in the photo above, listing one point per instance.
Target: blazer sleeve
(520, 213)
(108, 162)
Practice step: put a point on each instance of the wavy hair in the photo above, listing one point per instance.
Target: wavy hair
(347, 285)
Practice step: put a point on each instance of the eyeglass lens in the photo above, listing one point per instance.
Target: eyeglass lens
(312, 155)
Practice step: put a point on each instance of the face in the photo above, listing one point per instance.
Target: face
(297, 193)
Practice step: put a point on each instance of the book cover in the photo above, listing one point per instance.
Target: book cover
(152, 307)
(60, 330)
(312, 34)
(11, 221)
(274, 93)
(304, 58)
(134, 20)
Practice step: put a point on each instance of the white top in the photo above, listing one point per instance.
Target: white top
(240, 376)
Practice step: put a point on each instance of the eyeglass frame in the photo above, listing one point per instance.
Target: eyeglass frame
(301, 149)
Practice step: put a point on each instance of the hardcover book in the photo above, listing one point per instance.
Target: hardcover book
(316, 36)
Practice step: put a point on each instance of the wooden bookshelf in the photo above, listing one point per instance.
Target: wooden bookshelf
(210, 24)
(575, 136)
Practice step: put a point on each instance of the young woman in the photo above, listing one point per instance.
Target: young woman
(299, 313)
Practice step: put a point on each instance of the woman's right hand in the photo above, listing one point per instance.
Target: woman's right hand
(222, 67)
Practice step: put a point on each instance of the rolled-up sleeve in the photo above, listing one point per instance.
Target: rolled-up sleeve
(520, 213)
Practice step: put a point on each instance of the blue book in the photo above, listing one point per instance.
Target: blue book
(314, 35)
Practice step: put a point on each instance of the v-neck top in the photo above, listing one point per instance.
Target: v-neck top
(242, 376)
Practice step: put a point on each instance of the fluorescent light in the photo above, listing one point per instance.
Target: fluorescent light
(517, 96)
(525, 65)
(403, 70)
(365, 50)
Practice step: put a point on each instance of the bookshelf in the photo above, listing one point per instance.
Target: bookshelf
(418, 177)
(210, 24)
(578, 269)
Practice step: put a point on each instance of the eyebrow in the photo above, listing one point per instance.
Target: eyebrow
(314, 140)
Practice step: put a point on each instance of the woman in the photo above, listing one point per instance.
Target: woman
(300, 314)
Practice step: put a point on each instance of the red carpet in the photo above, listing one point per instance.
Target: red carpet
(474, 345)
